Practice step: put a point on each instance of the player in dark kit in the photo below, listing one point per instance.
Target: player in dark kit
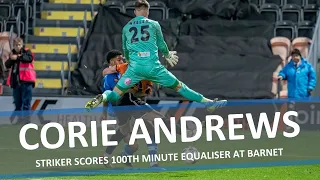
(133, 96)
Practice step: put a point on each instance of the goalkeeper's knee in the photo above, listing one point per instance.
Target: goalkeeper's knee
(111, 96)
(188, 93)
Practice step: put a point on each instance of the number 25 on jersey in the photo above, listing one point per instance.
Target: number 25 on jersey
(144, 33)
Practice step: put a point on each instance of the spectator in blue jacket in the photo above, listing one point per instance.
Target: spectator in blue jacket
(300, 75)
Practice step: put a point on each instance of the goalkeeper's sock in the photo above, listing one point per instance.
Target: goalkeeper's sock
(110, 96)
(116, 137)
(190, 94)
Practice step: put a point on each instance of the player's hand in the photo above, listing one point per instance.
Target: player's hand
(280, 78)
(172, 58)
(13, 57)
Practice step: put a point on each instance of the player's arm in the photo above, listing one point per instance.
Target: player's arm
(109, 70)
(124, 46)
(161, 43)
(170, 56)
(120, 68)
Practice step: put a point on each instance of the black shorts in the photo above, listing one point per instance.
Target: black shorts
(125, 115)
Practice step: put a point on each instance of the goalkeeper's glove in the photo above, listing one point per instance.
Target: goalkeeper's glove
(172, 58)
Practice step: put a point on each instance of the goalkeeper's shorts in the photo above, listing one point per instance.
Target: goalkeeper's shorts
(156, 73)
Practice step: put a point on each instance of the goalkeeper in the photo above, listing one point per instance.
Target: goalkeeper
(140, 90)
(132, 97)
(141, 40)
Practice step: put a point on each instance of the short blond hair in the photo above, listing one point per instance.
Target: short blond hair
(18, 40)
(141, 4)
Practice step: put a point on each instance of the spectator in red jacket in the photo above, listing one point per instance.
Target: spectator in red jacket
(22, 76)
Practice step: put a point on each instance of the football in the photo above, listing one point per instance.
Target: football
(190, 155)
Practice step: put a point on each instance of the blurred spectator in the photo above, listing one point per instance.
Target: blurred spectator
(2, 70)
(5, 52)
(300, 75)
(22, 76)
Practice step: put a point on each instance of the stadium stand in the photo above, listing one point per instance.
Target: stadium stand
(69, 53)
(194, 34)
(57, 32)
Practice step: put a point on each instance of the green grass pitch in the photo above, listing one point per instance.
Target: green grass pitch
(306, 172)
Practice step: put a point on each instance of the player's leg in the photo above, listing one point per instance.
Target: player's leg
(115, 137)
(110, 149)
(153, 147)
(128, 150)
(125, 128)
(156, 114)
(17, 100)
(165, 78)
(127, 80)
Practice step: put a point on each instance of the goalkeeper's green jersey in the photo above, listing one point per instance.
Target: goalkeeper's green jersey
(141, 39)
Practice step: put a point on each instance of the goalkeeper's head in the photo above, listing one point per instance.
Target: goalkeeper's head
(141, 8)
(115, 57)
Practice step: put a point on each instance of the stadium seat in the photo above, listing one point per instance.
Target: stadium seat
(310, 13)
(66, 15)
(8, 24)
(271, 12)
(76, 1)
(57, 32)
(296, 2)
(116, 5)
(256, 2)
(302, 44)
(1, 26)
(5, 11)
(285, 29)
(173, 13)
(305, 29)
(16, 8)
(52, 48)
(52, 66)
(277, 2)
(281, 46)
(311, 2)
(291, 12)
(157, 10)
(50, 83)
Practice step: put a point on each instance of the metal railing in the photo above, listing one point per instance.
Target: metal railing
(79, 42)
(69, 65)
(26, 7)
(11, 37)
(62, 79)
(92, 9)
(314, 53)
(34, 12)
(18, 21)
(85, 24)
